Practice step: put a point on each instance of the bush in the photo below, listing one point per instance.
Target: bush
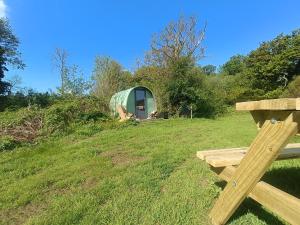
(27, 124)
(293, 89)
(7, 143)
(274, 94)
(60, 115)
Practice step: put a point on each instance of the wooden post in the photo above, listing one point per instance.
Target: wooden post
(279, 202)
(265, 148)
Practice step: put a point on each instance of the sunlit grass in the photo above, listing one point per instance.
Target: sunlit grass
(145, 174)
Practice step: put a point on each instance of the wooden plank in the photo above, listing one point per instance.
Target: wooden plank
(231, 157)
(260, 116)
(265, 148)
(203, 154)
(272, 104)
(234, 159)
(225, 160)
(283, 204)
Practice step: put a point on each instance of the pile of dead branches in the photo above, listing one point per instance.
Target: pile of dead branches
(27, 131)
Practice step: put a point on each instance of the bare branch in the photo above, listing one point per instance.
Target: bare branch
(178, 39)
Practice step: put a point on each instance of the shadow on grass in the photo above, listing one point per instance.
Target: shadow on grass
(286, 179)
(250, 206)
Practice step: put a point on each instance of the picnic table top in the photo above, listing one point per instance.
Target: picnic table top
(271, 104)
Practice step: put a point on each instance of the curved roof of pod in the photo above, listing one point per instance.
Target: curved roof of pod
(121, 97)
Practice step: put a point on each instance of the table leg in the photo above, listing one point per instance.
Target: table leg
(271, 139)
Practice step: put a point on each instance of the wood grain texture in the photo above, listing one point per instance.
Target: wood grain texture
(283, 204)
(272, 104)
(233, 156)
(265, 148)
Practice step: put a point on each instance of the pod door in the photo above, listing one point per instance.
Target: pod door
(140, 103)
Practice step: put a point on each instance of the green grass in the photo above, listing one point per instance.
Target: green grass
(145, 174)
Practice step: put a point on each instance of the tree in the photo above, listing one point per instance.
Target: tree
(60, 58)
(9, 54)
(71, 78)
(179, 39)
(235, 65)
(156, 79)
(209, 69)
(109, 78)
(174, 52)
(275, 63)
(75, 83)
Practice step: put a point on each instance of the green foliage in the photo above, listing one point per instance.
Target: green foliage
(181, 86)
(273, 94)
(15, 118)
(75, 84)
(109, 78)
(59, 116)
(189, 88)
(275, 63)
(71, 77)
(26, 98)
(156, 79)
(293, 89)
(31, 123)
(264, 72)
(9, 54)
(235, 65)
(7, 143)
(209, 69)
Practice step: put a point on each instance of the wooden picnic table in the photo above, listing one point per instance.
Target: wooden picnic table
(278, 120)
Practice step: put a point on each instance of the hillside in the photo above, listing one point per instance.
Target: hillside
(144, 174)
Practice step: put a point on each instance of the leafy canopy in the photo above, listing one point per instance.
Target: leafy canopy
(9, 54)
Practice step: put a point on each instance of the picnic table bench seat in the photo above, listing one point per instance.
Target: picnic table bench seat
(233, 156)
(242, 168)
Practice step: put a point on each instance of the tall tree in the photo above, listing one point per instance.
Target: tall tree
(60, 58)
(9, 54)
(109, 78)
(71, 77)
(275, 63)
(177, 49)
(179, 39)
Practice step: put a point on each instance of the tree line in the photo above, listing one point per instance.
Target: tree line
(171, 70)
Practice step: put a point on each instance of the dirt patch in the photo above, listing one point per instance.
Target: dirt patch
(203, 182)
(21, 214)
(122, 158)
(89, 183)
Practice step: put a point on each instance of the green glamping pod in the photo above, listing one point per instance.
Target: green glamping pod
(137, 100)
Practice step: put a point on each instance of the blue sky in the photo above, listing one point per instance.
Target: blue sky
(123, 30)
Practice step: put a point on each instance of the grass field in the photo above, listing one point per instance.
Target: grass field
(144, 174)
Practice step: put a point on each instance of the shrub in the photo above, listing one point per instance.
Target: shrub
(293, 89)
(22, 125)
(27, 124)
(7, 143)
(59, 116)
